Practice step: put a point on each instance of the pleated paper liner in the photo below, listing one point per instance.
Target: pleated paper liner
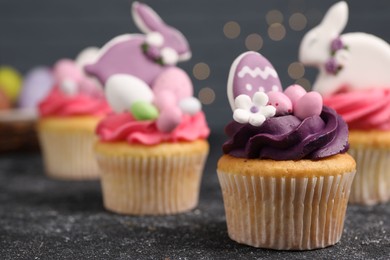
(69, 156)
(372, 181)
(67, 147)
(282, 212)
(286, 213)
(152, 184)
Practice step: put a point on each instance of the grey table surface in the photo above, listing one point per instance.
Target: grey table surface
(42, 218)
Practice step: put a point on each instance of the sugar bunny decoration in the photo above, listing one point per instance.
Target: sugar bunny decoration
(265, 98)
(354, 61)
(139, 74)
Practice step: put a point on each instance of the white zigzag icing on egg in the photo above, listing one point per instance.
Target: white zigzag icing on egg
(264, 74)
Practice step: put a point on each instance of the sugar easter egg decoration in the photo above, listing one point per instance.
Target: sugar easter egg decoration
(142, 110)
(174, 87)
(308, 105)
(169, 119)
(10, 82)
(251, 72)
(281, 102)
(36, 85)
(5, 103)
(123, 90)
(255, 108)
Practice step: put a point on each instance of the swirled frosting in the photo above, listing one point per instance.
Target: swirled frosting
(289, 138)
(123, 127)
(60, 104)
(364, 110)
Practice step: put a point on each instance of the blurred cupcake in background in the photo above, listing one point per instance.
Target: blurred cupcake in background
(354, 80)
(17, 125)
(10, 87)
(68, 116)
(152, 150)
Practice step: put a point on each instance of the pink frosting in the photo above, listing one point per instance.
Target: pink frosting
(123, 127)
(365, 110)
(58, 103)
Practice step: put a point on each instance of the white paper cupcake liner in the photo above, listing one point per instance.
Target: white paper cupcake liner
(151, 185)
(372, 181)
(69, 155)
(285, 213)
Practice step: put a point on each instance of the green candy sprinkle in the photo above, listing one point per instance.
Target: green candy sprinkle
(142, 110)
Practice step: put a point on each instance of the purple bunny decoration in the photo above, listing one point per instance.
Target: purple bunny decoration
(131, 63)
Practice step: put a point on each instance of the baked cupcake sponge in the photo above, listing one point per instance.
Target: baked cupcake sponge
(67, 146)
(151, 180)
(286, 205)
(371, 150)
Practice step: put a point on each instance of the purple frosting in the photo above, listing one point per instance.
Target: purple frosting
(289, 138)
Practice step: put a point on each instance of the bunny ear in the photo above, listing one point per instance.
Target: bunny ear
(146, 19)
(336, 18)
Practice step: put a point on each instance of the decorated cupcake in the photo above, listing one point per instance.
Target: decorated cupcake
(354, 80)
(284, 175)
(68, 118)
(152, 150)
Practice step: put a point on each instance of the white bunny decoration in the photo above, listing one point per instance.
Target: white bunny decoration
(352, 61)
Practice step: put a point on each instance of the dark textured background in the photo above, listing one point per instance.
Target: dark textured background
(47, 219)
(42, 31)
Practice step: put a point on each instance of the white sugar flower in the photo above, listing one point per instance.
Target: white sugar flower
(254, 111)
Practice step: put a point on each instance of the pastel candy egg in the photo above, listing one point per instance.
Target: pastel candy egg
(294, 92)
(36, 85)
(169, 119)
(143, 111)
(123, 90)
(308, 105)
(4, 101)
(190, 105)
(174, 80)
(66, 69)
(281, 102)
(10, 82)
(164, 99)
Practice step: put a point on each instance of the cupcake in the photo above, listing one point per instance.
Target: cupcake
(152, 149)
(68, 116)
(284, 175)
(354, 80)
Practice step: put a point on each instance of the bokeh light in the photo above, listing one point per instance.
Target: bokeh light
(254, 42)
(296, 70)
(276, 32)
(305, 83)
(274, 16)
(201, 71)
(232, 30)
(297, 21)
(206, 96)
